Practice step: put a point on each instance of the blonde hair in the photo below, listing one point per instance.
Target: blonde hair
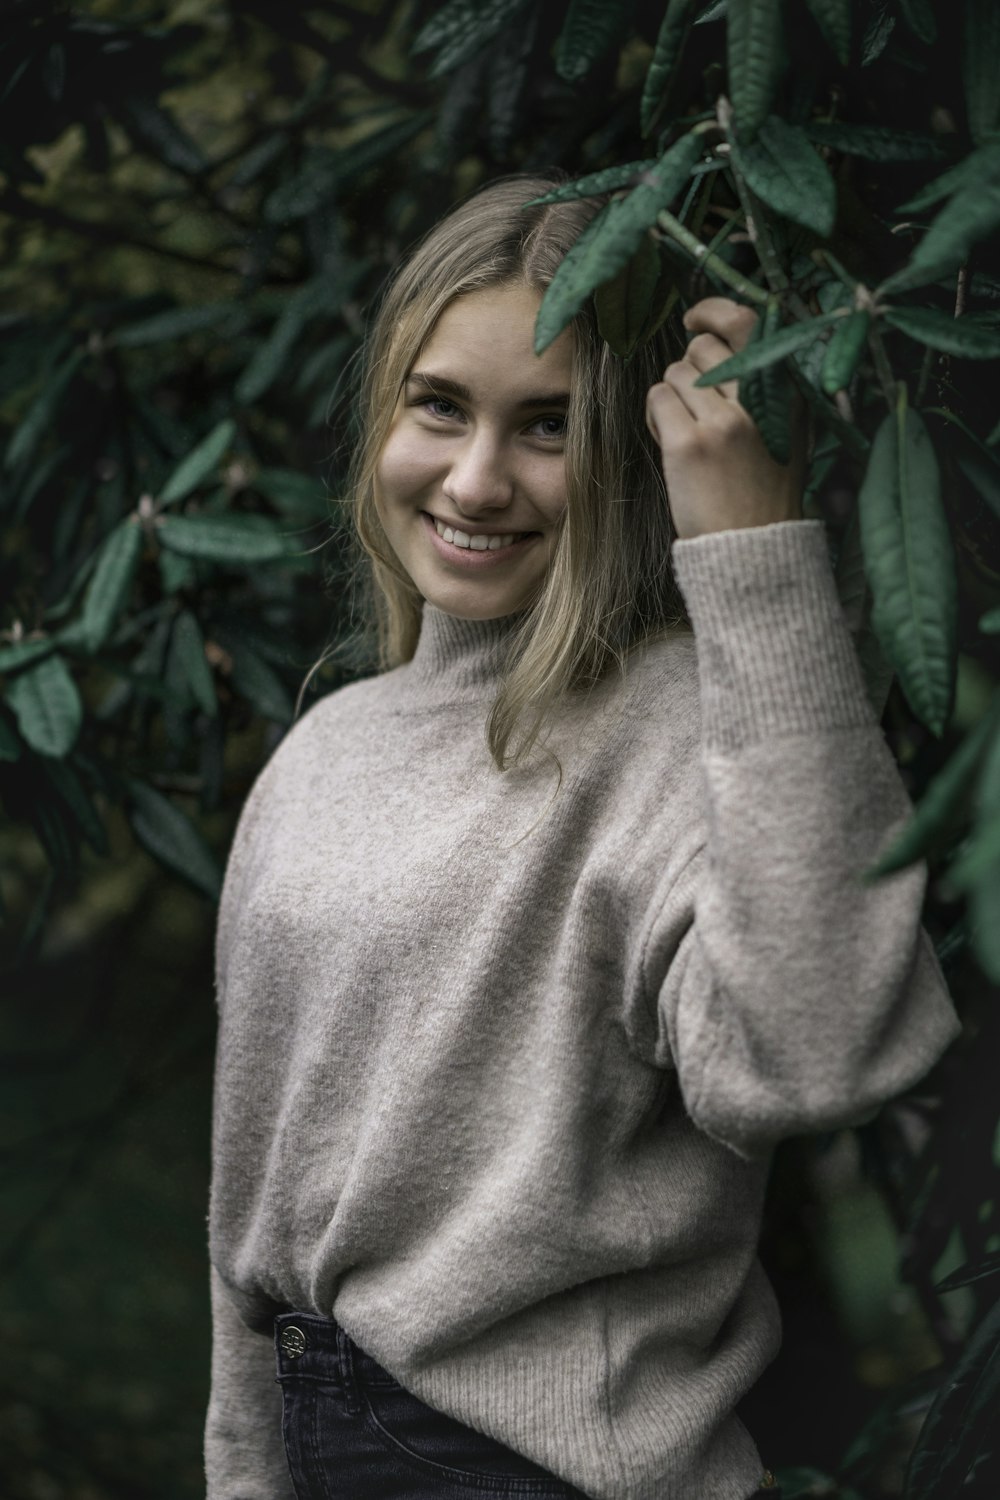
(609, 585)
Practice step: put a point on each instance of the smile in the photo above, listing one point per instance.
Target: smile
(479, 541)
(475, 550)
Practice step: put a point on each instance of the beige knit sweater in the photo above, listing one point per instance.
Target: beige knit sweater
(501, 1061)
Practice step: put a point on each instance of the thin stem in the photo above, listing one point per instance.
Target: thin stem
(883, 368)
(853, 440)
(925, 374)
(962, 289)
(713, 263)
(757, 226)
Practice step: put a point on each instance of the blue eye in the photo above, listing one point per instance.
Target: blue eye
(552, 427)
(433, 402)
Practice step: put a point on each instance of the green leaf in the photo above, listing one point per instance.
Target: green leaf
(507, 77)
(180, 321)
(782, 168)
(10, 745)
(877, 32)
(833, 17)
(798, 1482)
(462, 28)
(979, 860)
(40, 416)
(981, 67)
(919, 17)
(316, 298)
(258, 159)
(226, 539)
(295, 493)
(944, 803)
(874, 142)
(612, 238)
(70, 788)
(665, 62)
(766, 351)
(254, 680)
(843, 353)
(962, 1420)
(151, 126)
(967, 337)
(755, 54)
(606, 181)
(855, 597)
(187, 647)
(110, 582)
(989, 623)
(324, 172)
(970, 215)
(199, 463)
(21, 653)
(767, 394)
(169, 836)
(909, 561)
(47, 706)
(964, 174)
(623, 303)
(969, 1273)
(589, 31)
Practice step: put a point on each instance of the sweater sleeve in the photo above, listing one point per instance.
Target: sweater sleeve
(791, 996)
(244, 1449)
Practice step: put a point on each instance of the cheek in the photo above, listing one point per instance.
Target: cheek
(551, 492)
(408, 461)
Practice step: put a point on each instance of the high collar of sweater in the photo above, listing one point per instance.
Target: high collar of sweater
(456, 655)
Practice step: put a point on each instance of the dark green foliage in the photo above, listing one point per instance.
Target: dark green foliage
(666, 59)
(910, 564)
(755, 58)
(197, 219)
(782, 168)
(768, 393)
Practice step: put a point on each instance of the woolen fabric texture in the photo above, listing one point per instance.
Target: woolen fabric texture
(503, 1057)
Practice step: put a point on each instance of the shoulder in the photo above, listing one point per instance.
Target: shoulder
(657, 693)
(335, 726)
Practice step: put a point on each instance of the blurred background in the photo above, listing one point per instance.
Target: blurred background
(199, 202)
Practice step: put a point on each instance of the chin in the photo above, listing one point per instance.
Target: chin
(467, 604)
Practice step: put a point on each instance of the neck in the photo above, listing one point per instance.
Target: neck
(463, 653)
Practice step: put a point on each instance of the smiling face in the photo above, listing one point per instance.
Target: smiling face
(471, 483)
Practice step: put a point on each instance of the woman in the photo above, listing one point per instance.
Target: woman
(534, 944)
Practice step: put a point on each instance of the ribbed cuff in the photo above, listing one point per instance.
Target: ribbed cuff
(775, 656)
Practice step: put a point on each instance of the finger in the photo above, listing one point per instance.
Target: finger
(705, 351)
(666, 413)
(722, 316)
(703, 403)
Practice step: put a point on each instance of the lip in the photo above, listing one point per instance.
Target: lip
(465, 557)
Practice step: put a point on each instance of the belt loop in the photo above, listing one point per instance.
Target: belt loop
(348, 1378)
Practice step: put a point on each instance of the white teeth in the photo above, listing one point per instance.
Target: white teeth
(478, 543)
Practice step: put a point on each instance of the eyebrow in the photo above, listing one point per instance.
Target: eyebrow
(440, 385)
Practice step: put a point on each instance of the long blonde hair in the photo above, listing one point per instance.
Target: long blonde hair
(609, 585)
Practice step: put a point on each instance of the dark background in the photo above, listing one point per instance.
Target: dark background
(199, 203)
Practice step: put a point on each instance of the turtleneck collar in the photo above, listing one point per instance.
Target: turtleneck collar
(454, 654)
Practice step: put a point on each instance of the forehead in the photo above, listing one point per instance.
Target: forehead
(489, 335)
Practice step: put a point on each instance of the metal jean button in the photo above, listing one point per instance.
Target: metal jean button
(292, 1341)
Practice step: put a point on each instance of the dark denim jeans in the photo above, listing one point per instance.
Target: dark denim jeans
(353, 1433)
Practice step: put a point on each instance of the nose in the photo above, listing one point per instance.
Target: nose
(480, 478)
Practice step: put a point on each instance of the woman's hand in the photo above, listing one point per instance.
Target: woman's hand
(719, 474)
